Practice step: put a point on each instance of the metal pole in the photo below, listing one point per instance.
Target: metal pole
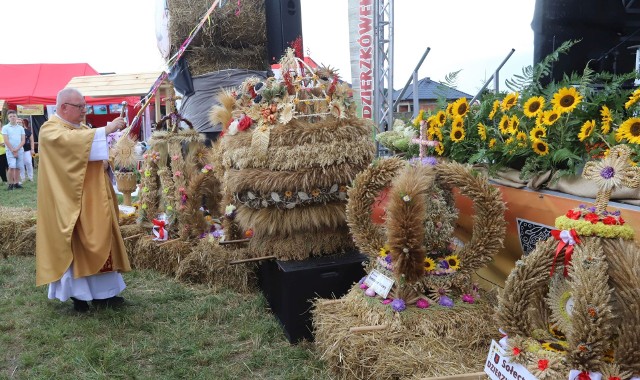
(404, 89)
(416, 98)
(492, 76)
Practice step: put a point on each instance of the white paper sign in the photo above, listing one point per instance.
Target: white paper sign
(380, 283)
(498, 366)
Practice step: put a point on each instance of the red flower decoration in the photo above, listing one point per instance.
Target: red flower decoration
(573, 214)
(543, 364)
(610, 220)
(614, 378)
(621, 221)
(592, 217)
(583, 376)
(244, 123)
(516, 351)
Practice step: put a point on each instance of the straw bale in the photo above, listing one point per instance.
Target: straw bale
(131, 233)
(217, 58)
(305, 220)
(14, 222)
(25, 245)
(227, 40)
(208, 264)
(302, 246)
(432, 342)
(164, 258)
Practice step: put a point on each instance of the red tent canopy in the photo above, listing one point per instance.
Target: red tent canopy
(39, 83)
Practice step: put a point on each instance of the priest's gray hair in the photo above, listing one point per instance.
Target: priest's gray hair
(65, 94)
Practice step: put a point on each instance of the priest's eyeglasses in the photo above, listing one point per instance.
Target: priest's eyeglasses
(79, 106)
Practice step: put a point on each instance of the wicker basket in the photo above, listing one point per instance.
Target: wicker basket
(126, 182)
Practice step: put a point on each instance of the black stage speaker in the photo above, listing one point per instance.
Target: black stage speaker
(284, 26)
(289, 287)
(598, 24)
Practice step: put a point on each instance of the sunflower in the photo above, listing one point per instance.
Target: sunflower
(633, 99)
(453, 261)
(482, 131)
(556, 332)
(504, 124)
(458, 122)
(557, 346)
(419, 118)
(551, 116)
(440, 118)
(496, 104)
(630, 130)
(435, 132)
(538, 132)
(431, 122)
(460, 107)
(619, 135)
(605, 112)
(429, 264)
(439, 149)
(533, 106)
(586, 130)
(566, 99)
(449, 108)
(457, 134)
(509, 101)
(514, 123)
(522, 139)
(605, 127)
(540, 118)
(384, 250)
(540, 147)
(492, 143)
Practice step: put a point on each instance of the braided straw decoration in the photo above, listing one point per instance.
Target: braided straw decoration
(369, 237)
(489, 225)
(179, 174)
(602, 200)
(623, 258)
(592, 315)
(150, 198)
(406, 213)
(168, 195)
(612, 172)
(528, 280)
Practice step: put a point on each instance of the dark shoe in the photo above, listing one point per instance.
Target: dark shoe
(80, 306)
(17, 186)
(10, 187)
(109, 302)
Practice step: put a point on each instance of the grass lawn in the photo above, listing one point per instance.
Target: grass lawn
(167, 330)
(25, 197)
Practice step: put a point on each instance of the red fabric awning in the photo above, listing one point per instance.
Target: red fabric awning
(39, 83)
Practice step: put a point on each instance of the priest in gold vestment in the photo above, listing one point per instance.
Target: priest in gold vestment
(79, 249)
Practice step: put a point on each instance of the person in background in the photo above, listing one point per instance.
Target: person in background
(28, 149)
(13, 135)
(79, 249)
(3, 160)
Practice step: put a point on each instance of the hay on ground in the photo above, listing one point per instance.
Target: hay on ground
(161, 257)
(25, 245)
(433, 342)
(14, 222)
(209, 264)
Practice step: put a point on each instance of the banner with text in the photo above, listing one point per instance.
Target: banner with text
(361, 49)
(30, 109)
(498, 366)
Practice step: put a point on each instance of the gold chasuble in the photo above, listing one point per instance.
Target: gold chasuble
(77, 207)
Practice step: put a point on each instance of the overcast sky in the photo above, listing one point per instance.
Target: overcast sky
(119, 36)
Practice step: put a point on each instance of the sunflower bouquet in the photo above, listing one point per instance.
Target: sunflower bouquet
(536, 128)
